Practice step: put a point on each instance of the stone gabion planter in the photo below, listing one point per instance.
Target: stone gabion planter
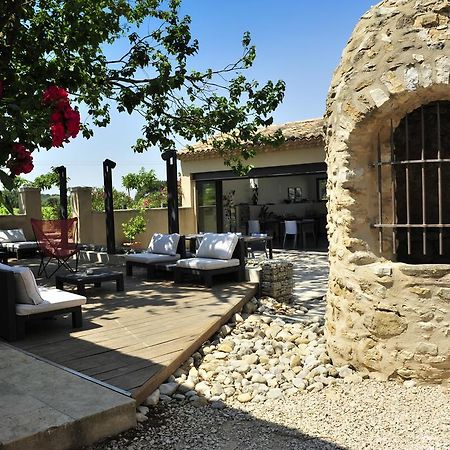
(277, 280)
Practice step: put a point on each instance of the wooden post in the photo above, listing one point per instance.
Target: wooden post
(108, 165)
(61, 171)
(170, 157)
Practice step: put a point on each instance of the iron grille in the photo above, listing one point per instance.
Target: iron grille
(418, 165)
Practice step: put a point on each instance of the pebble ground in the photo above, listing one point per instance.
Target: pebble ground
(366, 415)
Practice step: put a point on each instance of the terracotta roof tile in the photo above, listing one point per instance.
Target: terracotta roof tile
(301, 133)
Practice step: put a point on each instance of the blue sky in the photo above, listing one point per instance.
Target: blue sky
(297, 41)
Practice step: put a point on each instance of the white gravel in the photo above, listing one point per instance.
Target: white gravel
(368, 415)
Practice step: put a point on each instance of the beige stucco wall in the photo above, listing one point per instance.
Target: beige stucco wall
(156, 219)
(382, 315)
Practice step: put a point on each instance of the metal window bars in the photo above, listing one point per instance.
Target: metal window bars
(427, 160)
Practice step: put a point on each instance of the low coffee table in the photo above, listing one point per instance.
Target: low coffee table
(96, 277)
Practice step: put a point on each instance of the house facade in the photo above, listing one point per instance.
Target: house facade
(285, 182)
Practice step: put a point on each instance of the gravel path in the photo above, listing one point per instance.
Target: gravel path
(368, 415)
(348, 414)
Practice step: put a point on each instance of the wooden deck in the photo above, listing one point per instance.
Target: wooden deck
(134, 340)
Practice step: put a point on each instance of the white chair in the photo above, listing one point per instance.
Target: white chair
(290, 229)
(218, 253)
(23, 299)
(163, 250)
(253, 227)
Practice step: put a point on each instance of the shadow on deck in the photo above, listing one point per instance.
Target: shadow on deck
(134, 340)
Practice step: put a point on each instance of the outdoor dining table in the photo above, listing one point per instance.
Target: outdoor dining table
(192, 238)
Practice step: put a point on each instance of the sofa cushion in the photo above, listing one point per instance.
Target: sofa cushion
(164, 244)
(219, 246)
(52, 300)
(207, 263)
(15, 235)
(13, 246)
(27, 291)
(151, 258)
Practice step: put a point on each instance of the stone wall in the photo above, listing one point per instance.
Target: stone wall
(382, 315)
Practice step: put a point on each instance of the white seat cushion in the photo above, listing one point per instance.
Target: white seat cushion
(218, 246)
(151, 258)
(207, 263)
(27, 291)
(15, 235)
(164, 244)
(52, 300)
(20, 245)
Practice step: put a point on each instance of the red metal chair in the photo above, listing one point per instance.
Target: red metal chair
(57, 239)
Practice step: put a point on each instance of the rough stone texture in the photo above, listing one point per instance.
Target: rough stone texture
(383, 316)
(277, 279)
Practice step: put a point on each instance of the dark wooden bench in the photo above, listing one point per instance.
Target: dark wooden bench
(12, 326)
(154, 267)
(207, 275)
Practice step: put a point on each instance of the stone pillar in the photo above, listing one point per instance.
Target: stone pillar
(81, 202)
(30, 202)
(30, 206)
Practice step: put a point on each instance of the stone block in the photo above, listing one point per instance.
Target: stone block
(385, 324)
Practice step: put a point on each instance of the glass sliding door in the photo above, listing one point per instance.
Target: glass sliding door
(209, 206)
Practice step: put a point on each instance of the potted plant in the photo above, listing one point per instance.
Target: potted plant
(133, 227)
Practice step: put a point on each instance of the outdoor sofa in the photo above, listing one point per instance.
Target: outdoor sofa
(164, 250)
(217, 254)
(14, 241)
(22, 299)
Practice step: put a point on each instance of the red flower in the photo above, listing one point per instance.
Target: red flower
(72, 122)
(58, 134)
(64, 121)
(21, 160)
(55, 95)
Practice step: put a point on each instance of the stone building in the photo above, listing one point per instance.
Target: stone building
(388, 155)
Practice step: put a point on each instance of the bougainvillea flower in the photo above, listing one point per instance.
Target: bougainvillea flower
(21, 160)
(64, 120)
(58, 134)
(72, 122)
(55, 95)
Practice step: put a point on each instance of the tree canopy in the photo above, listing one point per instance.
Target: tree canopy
(54, 57)
(143, 182)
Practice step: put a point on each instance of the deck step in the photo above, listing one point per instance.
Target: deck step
(45, 407)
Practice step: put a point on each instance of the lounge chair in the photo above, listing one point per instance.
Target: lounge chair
(217, 254)
(57, 240)
(14, 241)
(22, 299)
(163, 251)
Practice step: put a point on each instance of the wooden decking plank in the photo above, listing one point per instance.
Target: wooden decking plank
(141, 392)
(100, 329)
(127, 338)
(135, 339)
(138, 351)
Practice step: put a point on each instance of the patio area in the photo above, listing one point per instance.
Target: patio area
(132, 341)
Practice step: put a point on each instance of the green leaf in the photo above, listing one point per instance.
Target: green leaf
(7, 180)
